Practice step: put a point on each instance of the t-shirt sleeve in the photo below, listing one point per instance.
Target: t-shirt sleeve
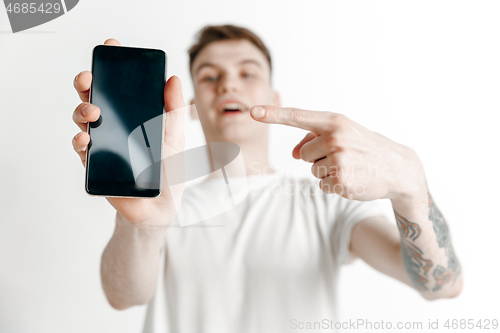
(347, 214)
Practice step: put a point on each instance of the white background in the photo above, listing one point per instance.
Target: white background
(423, 73)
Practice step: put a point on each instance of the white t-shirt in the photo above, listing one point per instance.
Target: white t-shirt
(272, 259)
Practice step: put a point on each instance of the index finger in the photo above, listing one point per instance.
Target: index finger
(83, 80)
(82, 85)
(314, 121)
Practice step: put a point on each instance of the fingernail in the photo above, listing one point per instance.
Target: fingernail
(258, 112)
(78, 135)
(76, 77)
(88, 109)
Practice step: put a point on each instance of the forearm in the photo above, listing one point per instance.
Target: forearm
(129, 264)
(426, 247)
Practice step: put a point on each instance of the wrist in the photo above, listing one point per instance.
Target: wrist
(411, 207)
(410, 193)
(407, 175)
(152, 231)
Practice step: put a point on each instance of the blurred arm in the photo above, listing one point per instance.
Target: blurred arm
(129, 265)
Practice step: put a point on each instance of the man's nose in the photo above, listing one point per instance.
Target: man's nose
(228, 84)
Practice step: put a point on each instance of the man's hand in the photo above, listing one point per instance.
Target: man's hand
(363, 165)
(139, 211)
(350, 160)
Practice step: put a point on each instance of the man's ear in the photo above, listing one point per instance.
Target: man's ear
(276, 99)
(192, 110)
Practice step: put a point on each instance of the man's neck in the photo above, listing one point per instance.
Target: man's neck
(255, 157)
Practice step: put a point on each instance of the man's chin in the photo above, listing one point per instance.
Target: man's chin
(242, 136)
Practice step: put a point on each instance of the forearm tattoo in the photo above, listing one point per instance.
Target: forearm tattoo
(441, 274)
(417, 266)
(413, 258)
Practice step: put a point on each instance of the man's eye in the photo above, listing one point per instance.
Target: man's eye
(210, 78)
(247, 75)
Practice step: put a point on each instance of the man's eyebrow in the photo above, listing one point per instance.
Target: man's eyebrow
(205, 64)
(246, 61)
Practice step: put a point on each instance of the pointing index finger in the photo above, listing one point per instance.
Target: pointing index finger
(313, 121)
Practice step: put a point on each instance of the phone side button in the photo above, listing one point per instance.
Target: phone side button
(97, 123)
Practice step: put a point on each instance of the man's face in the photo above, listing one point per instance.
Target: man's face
(230, 77)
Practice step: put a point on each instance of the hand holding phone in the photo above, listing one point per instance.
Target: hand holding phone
(135, 209)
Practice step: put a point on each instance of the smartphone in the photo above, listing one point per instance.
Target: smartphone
(124, 155)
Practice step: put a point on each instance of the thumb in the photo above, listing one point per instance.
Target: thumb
(173, 94)
(296, 151)
(174, 116)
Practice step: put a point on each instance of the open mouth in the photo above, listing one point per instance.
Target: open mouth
(233, 108)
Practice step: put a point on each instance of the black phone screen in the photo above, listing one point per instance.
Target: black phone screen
(124, 153)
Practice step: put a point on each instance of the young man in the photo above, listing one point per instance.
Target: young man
(278, 256)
